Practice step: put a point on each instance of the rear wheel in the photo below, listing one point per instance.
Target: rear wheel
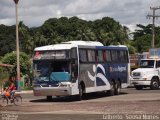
(49, 98)
(112, 90)
(4, 101)
(117, 88)
(17, 100)
(81, 93)
(154, 84)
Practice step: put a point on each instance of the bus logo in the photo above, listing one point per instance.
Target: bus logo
(98, 75)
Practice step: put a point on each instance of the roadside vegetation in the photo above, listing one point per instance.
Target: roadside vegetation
(106, 30)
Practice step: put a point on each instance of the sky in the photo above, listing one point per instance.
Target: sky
(34, 12)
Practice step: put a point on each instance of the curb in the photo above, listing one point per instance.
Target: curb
(23, 92)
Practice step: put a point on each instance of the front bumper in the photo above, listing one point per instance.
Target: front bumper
(141, 82)
(52, 91)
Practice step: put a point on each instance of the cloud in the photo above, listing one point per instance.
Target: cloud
(35, 12)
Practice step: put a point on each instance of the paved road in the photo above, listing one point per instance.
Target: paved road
(95, 106)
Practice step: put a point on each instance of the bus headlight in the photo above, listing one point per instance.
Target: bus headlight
(64, 85)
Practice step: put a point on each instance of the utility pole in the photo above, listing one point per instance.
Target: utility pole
(153, 16)
(17, 46)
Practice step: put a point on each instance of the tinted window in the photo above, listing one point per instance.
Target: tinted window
(114, 55)
(107, 55)
(122, 56)
(91, 56)
(126, 56)
(158, 64)
(100, 56)
(147, 63)
(83, 55)
(74, 53)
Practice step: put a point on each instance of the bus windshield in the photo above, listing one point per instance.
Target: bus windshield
(51, 71)
(147, 64)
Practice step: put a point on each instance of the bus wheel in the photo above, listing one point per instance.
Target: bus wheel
(49, 98)
(154, 84)
(81, 93)
(112, 90)
(117, 88)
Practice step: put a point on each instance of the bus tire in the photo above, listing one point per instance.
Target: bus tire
(49, 98)
(117, 88)
(81, 92)
(154, 84)
(112, 90)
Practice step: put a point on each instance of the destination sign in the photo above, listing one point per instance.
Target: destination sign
(51, 55)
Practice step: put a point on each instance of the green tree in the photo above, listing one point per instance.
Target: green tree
(105, 30)
(26, 40)
(143, 37)
(4, 76)
(25, 63)
(7, 39)
(108, 31)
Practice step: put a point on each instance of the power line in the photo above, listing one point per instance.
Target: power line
(153, 16)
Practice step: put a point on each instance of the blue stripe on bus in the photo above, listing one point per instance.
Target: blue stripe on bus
(99, 81)
(111, 48)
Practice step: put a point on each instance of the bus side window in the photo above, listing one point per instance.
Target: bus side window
(122, 56)
(126, 56)
(74, 68)
(91, 55)
(100, 57)
(104, 56)
(107, 55)
(74, 53)
(83, 55)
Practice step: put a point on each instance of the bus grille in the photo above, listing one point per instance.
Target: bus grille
(136, 74)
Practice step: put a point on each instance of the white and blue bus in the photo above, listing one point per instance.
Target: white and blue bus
(79, 67)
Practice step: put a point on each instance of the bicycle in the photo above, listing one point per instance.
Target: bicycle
(5, 100)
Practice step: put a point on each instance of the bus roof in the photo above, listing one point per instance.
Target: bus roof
(68, 45)
(87, 43)
(122, 47)
(83, 44)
